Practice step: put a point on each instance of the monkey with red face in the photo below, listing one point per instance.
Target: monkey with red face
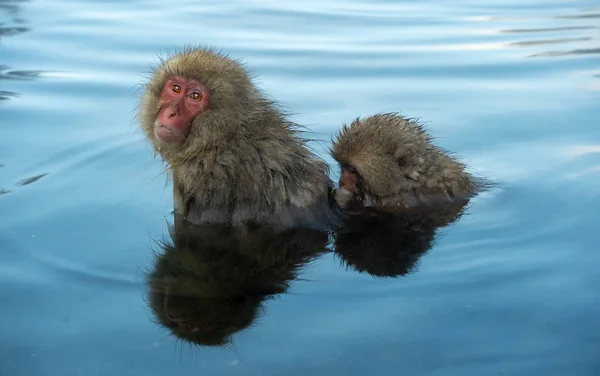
(233, 154)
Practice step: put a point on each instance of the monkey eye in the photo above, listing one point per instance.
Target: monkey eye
(350, 168)
(196, 96)
(176, 88)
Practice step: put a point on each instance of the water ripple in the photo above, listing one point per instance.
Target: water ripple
(7, 74)
(32, 179)
(565, 53)
(549, 29)
(4, 95)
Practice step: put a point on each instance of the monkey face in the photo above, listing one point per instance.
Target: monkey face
(181, 100)
(349, 194)
(196, 99)
(349, 178)
(392, 180)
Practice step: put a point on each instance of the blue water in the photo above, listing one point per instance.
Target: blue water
(511, 87)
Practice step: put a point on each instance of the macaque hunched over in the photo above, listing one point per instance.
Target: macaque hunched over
(390, 163)
(235, 157)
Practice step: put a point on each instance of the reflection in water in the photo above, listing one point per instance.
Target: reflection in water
(6, 74)
(390, 244)
(549, 41)
(210, 281)
(11, 8)
(6, 94)
(2, 190)
(24, 182)
(514, 291)
(583, 16)
(8, 31)
(571, 28)
(32, 179)
(548, 29)
(582, 51)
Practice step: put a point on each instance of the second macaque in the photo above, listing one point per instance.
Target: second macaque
(390, 163)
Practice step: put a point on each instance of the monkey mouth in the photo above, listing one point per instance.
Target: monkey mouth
(345, 198)
(167, 134)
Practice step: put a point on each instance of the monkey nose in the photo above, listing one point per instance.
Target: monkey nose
(173, 112)
(170, 115)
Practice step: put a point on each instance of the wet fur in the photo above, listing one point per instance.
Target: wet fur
(243, 159)
(390, 244)
(398, 164)
(210, 281)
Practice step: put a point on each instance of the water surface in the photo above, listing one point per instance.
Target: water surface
(512, 88)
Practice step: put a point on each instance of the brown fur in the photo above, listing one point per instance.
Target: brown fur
(210, 281)
(243, 159)
(390, 244)
(398, 165)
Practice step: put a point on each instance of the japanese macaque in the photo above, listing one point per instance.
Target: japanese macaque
(390, 163)
(233, 154)
(391, 243)
(210, 281)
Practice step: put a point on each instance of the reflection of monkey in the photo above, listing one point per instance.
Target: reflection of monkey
(389, 244)
(389, 162)
(233, 154)
(211, 281)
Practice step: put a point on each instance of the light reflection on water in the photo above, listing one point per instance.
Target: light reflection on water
(511, 87)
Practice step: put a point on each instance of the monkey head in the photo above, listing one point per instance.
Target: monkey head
(194, 99)
(388, 161)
